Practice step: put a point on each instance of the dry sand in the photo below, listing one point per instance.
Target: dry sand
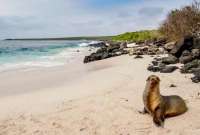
(99, 98)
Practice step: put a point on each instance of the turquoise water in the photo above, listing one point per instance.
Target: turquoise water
(37, 53)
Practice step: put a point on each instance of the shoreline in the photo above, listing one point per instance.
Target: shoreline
(102, 98)
(28, 82)
(38, 65)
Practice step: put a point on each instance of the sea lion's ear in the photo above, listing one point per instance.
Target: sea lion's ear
(148, 79)
(158, 79)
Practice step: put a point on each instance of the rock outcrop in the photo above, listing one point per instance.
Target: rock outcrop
(98, 44)
(107, 51)
(169, 60)
(158, 66)
(168, 69)
(146, 50)
(187, 52)
(185, 43)
(196, 78)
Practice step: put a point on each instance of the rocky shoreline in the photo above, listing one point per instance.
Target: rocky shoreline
(185, 51)
(106, 50)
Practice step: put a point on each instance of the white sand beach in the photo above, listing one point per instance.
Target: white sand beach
(99, 98)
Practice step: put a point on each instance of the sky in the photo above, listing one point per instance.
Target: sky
(68, 18)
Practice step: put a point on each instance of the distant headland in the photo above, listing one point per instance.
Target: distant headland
(66, 38)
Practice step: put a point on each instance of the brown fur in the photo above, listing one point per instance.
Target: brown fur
(158, 106)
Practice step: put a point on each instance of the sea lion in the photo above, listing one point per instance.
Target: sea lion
(158, 106)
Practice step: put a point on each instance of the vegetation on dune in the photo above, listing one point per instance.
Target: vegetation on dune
(182, 22)
(137, 36)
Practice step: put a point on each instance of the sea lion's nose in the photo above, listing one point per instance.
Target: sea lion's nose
(153, 80)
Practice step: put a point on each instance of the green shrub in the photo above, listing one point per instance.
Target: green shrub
(137, 36)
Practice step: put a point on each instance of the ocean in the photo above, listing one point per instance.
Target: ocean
(18, 54)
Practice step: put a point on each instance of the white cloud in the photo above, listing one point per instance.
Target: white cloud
(60, 18)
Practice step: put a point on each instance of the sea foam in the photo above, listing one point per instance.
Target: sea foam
(33, 54)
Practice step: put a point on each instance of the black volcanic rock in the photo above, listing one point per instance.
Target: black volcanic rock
(196, 43)
(168, 69)
(196, 78)
(101, 50)
(186, 57)
(138, 57)
(153, 68)
(113, 47)
(172, 85)
(160, 42)
(155, 63)
(99, 44)
(170, 60)
(196, 53)
(123, 45)
(112, 50)
(169, 46)
(185, 43)
(187, 68)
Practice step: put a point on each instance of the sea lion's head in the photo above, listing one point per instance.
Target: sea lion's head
(153, 81)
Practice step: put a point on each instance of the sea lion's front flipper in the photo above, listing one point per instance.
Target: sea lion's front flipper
(144, 111)
(158, 117)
